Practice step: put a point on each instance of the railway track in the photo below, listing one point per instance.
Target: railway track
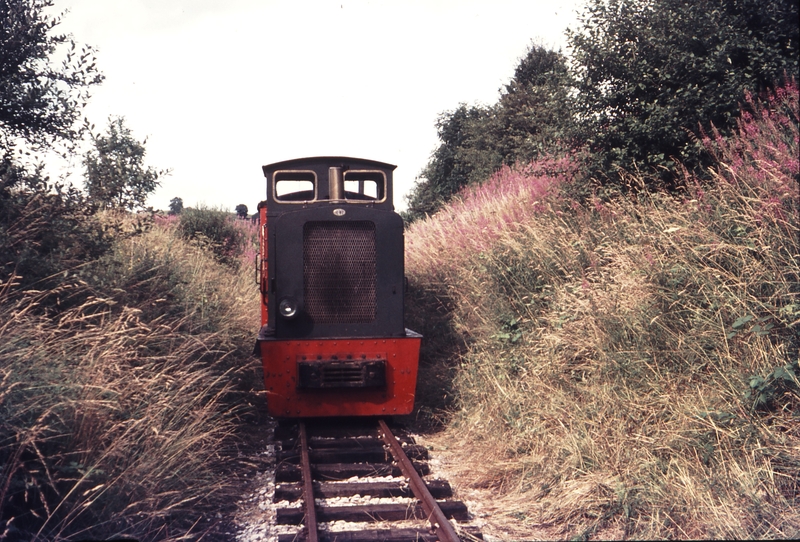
(323, 463)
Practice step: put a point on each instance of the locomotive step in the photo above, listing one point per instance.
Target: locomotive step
(440, 489)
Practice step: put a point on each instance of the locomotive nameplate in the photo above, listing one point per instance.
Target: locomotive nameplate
(334, 373)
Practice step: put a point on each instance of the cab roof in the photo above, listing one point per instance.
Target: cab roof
(328, 161)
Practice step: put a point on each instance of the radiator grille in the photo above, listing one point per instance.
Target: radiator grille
(339, 277)
(343, 376)
(366, 373)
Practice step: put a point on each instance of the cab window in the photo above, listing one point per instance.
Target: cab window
(364, 185)
(294, 186)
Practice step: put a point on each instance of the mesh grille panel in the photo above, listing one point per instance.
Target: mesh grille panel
(339, 278)
(364, 373)
(342, 376)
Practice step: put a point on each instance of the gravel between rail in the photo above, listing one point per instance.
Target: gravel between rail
(255, 514)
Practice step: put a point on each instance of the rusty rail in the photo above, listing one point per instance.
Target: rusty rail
(444, 529)
(308, 487)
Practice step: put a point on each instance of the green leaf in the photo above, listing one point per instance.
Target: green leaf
(762, 330)
(742, 321)
(780, 372)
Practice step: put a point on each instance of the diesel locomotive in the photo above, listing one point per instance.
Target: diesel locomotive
(330, 271)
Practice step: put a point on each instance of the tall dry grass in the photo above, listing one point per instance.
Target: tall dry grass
(118, 393)
(630, 367)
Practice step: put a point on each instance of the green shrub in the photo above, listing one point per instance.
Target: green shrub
(214, 229)
(45, 228)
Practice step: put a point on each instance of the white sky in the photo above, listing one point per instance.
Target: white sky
(222, 87)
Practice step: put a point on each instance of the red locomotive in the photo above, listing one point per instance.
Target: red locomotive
(331, 276)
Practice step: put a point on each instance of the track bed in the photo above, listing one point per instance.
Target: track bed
(339, 464)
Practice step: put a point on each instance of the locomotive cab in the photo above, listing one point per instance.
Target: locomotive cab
(332, 341)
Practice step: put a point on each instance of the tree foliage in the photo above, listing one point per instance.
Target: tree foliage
(45, 227)
(651, 72)
(452, 165)
(535, 108)
(40, 101)
(116, 177)
(532, 117)
(241, 210)
(643, 78)
(175, 206)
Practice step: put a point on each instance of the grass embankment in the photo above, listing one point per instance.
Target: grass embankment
(629, 364)
(118, 392)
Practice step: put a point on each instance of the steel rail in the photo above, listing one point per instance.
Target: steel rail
(308, 487)
(444, 529)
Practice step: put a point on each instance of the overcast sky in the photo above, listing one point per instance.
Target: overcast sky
(221, 87)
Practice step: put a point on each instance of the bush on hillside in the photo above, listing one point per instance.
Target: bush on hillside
(45, 228)
(649, 72)
(214, 229)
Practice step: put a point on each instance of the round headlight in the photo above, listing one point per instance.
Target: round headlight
(288, 307)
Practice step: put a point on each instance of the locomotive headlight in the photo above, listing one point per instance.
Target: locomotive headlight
(288, 307)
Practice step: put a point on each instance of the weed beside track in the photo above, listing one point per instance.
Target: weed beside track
(634, 360)
(120, 392)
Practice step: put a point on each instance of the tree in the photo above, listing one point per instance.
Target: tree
(44, 227)
(116, 177)
(40, 101)
(650, 72)
(533, 117)
(175, 206)
(536, 109)
(453, 164)
(241, 210)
